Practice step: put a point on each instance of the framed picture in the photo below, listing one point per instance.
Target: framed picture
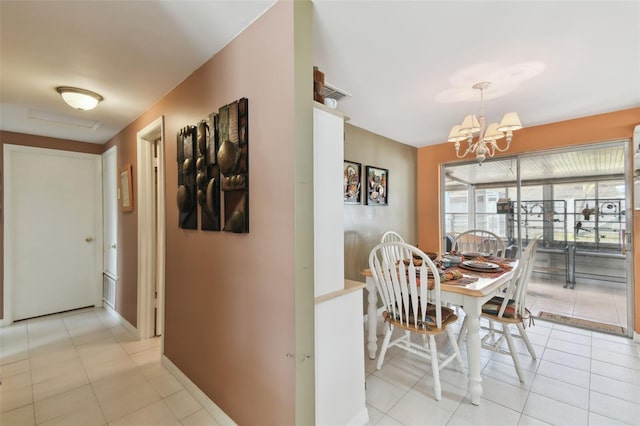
(377, 186)
(352, 182)
(125, 188)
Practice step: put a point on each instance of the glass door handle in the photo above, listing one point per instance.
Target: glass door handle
(626, 241)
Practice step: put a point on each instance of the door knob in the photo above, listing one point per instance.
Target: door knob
(113, 246)
(88, 239)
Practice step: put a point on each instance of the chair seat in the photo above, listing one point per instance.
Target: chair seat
(448, 317)
(492, 307)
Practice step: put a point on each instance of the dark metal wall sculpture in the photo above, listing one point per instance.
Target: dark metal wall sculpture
(208, 174)
(188, 216)
(213, 158)
(233, 161)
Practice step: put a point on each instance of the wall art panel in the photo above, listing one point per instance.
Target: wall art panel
(352, 181)
(208, 174)
(233, 162)
(186, 140)
(377, 186)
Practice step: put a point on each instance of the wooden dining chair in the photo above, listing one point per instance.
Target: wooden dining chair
(479, 241)
(508, 310)
(411, 301)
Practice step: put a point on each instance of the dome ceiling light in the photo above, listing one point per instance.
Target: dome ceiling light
(81, 99)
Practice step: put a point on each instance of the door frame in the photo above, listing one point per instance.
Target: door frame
(151, 228)
(110, 158)
(8, 240)
(632, 228)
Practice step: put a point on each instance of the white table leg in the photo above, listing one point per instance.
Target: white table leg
(372, 312)
(473, 350)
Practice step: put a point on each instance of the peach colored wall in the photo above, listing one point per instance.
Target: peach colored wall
(38, 142)
(229, 318)
(598, 128)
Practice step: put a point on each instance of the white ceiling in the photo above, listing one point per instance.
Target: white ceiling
(131, 52)
(404, 63)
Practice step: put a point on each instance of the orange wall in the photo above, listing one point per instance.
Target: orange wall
(229, 316)
(598, 128)
(38, 142)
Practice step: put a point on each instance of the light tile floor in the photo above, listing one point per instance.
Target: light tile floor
(580, 377)
(602, 302)
(82, 368)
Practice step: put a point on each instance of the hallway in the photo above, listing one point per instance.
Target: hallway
(83, 368)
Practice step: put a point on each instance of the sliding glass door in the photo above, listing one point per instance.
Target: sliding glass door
(577, 199)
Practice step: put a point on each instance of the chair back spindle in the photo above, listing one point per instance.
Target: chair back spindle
(393, 252)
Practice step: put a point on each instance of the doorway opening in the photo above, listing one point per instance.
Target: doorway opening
(579, 200)
(151, 229)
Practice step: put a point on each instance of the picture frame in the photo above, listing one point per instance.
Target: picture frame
(352, 175)
(377, 181)
(125, 188)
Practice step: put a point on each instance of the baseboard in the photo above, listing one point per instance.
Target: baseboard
(636, 337)
(216, 412)
(126, 324)
(361, 419)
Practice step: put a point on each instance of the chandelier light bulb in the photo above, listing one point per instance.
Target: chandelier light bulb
(493, 133)
(456, 135)
(510, 122)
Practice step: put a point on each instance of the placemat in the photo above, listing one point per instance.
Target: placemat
(481, 274)
(459, 282)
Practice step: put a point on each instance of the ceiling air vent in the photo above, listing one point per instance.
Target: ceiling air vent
(328, 91)
(62, 119)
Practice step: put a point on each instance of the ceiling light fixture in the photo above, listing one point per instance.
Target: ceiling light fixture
(486, 144)
(81, 99)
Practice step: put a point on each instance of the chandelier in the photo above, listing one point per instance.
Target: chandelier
(486, 142)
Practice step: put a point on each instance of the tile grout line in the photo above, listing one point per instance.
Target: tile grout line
(84, 367)
(33, 398)
(139, 369)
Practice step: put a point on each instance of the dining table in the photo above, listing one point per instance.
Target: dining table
(470, 293)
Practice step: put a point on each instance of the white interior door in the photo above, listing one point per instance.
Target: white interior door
(110, 211)
(53, 212)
